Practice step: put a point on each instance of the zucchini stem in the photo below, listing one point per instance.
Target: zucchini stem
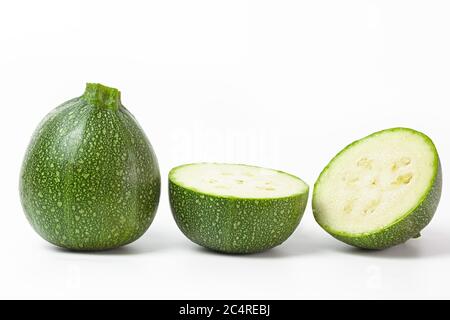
(102, 96)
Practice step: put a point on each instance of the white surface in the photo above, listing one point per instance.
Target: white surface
(375, 182)
(280, 84)
(239, 181)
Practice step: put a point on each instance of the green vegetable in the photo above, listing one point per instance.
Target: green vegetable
(236, 208)
(90, 179)
(380, 191)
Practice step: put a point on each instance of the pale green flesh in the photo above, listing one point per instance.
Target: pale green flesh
(240, 181)
(375, 182)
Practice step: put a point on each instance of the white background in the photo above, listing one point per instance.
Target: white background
(281, 84)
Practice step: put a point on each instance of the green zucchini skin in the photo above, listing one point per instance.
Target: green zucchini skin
(406, 228)
(90, 178)
(234, 225)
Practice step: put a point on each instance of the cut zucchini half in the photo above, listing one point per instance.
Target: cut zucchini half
(236, 208)
(380, 191)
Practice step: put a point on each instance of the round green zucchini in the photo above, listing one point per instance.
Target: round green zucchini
(90, 179)
(236, 208)
(380, 191)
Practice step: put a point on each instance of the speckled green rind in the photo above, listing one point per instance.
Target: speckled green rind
(90, 179)
(408, 226)
(235, 225)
